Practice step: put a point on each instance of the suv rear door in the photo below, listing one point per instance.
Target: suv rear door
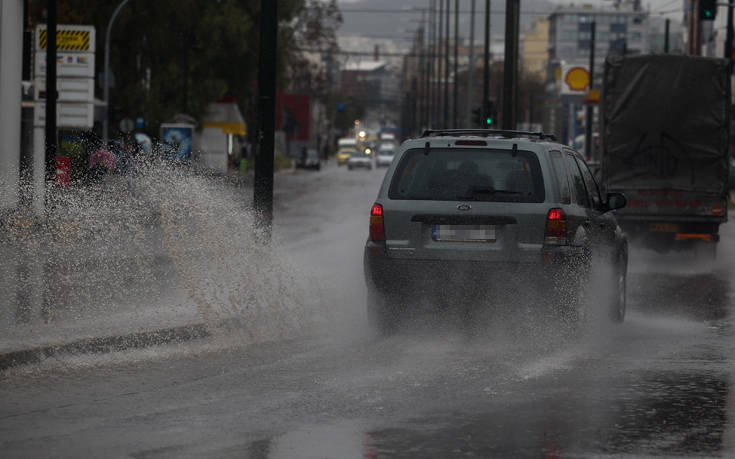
(466, 204)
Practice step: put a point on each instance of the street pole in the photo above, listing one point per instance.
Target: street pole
(445, 119)
(728, 40)
(106, 120)
(486, 63)
(666, 39)
(263, 180)
(471, 67)
(439, 57)
(51, 139)
(510, 77)
(430, 66)
(590, 114)
(455, 80)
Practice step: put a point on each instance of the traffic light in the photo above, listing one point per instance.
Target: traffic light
(490, 113)
(477, 117)
(707, 10)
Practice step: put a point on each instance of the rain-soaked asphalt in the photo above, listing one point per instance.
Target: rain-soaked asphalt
(661, 384)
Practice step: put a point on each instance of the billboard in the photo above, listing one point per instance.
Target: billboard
(177, 139)
(293, 114)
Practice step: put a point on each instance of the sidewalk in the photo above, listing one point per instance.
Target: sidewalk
(108, 268)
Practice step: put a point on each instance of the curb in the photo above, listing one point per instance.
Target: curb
(104, 345)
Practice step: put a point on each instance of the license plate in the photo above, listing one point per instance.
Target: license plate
(463, 233)
(664, 227)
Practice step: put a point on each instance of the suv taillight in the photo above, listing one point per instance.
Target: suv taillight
(556, 228)
(377, 229)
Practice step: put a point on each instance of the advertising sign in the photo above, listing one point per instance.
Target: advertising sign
(293, 115)
(79, 65)
(575, 79)
(178, 139)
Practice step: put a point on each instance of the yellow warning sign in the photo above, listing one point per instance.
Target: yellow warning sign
(67, 40)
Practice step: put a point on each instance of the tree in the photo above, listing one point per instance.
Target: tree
(173, 56)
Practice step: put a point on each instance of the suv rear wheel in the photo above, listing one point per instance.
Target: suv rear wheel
(619, 291)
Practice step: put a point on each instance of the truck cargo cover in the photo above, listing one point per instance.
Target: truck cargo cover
(665, 123)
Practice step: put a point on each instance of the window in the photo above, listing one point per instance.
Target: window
(592, 189)
(569, 35)
(560, 172)
(468, 175)
(579, 192)
(584, 44)
(635, 36)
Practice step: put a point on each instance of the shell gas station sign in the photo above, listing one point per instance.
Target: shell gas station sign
(575, 79)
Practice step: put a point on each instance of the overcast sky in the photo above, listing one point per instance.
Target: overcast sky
(395, 19)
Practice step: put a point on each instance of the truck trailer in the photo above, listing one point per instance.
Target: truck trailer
(664, 128)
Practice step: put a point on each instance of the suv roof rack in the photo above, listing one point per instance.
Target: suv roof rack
(487, 133)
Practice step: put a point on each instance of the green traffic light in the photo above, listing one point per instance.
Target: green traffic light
(488, 121)
(708, 13)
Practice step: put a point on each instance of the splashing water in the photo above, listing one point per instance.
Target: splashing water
(160, 245)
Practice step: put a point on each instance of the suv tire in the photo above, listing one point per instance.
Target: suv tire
(619, 291)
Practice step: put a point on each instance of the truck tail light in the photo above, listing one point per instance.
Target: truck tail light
(556, 228)
(377, 229)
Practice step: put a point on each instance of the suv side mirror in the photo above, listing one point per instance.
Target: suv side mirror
(615, 201)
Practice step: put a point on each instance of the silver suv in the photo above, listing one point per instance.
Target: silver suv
(490, 212)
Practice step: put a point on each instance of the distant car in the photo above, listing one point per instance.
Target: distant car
(344, 154)
(310, 160)
(385, 155)
(360, 159)
(482, 213)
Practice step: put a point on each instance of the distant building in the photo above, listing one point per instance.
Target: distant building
(534, 48)
(621, 30)
(624, 28)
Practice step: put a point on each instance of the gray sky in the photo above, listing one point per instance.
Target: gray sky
(396, 19)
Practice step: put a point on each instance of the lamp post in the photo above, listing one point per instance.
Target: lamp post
(106, 121)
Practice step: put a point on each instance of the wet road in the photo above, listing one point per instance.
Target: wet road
(661, 384)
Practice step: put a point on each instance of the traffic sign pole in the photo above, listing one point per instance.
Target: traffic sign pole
(51, 140)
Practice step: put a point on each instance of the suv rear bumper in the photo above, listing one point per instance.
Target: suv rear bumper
(557, 268)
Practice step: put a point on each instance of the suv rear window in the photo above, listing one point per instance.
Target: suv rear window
(468, 175)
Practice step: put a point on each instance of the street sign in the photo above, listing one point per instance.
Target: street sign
(79, 65)
(68, 89)
(68, 115)
(70, 38)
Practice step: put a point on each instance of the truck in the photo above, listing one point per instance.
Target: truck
(664, 128)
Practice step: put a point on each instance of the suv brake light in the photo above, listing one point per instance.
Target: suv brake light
(377, 229)
(556, 228)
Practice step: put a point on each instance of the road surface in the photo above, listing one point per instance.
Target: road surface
(658, 385)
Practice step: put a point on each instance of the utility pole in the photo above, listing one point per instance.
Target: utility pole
(666, 39)
(590, 115)
(51, 140)
(430, 67)
(486, 63)
(510, 77)
(106, 83)
(728, 40)
(455, 80)
(445, 119)
(440, 28)
(471, 67)
(263, 181)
